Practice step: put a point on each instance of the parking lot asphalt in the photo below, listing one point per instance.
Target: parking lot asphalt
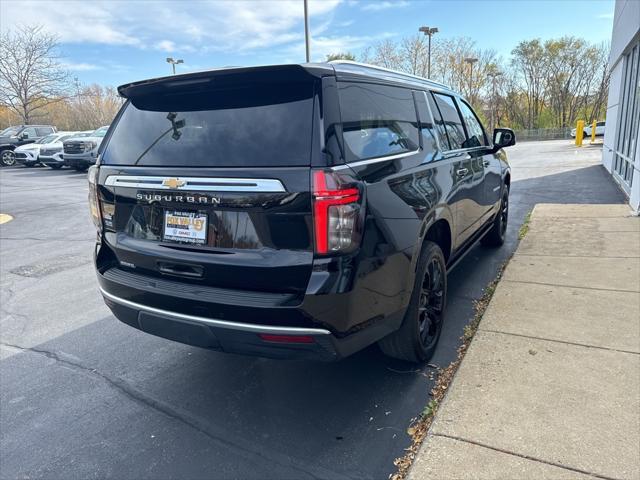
(85, 396)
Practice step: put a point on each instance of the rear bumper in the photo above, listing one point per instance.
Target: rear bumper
(234, 321)
(227, 336)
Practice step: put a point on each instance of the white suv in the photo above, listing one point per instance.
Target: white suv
(28, 154)
(51, 153)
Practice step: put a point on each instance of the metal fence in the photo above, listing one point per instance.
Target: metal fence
(543, 134)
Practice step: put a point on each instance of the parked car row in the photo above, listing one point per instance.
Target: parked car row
(32, 145)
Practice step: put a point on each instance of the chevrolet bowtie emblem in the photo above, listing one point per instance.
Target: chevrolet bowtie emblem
(173, 183)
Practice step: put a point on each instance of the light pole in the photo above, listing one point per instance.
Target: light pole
(306, 29)
(174, 63)
(493, 76)
(429, 33)
(471, 61)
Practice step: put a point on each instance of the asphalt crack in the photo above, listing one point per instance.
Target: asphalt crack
(255, 453)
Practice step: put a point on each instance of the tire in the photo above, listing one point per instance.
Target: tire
(55, 167)
(7, 158)
(80, 168)
(498, 232)
(417, 338)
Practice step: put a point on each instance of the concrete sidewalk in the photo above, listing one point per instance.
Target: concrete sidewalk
(550, 386)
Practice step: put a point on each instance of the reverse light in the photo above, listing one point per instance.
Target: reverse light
(336, 210)
(94, 200)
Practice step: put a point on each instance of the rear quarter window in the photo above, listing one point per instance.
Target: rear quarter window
(377, 120)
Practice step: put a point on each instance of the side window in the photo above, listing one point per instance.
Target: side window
(427, 128)
(441, 130)
(29, 133)
(44, 131)
(474, 127)
(452, 120)
(600, 124)
(377, 120)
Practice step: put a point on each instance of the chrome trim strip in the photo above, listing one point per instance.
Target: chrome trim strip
(376, 160)
(199, 184)
(245, 327)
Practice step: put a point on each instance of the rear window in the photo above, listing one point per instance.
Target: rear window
(377, 120)
(245, 126)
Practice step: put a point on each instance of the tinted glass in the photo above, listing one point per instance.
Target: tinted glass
(427, 128)
(29, 132)
(244, 126)
(474, 128)
(440, 130)
(48, 139)
(600, 124)
(10, 131)
(44, 131)
(452, 120)
(101, 132)
(377, 120)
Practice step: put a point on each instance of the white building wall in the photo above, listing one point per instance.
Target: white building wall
(626, 30)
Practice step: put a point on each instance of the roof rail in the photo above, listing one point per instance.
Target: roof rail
(376, 67)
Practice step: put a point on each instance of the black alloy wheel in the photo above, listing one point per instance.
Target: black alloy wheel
(417, 338)
(431, 305)
(498, 233)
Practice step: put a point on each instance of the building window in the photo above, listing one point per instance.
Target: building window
(629, 118)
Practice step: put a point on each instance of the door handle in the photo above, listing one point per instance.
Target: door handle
(462, 172)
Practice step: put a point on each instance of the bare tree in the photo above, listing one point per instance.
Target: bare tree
(31, 76)
(92, 107)
(341, 56)
(413, 52)
(530, 64)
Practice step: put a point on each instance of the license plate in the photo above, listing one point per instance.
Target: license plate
(189, 227)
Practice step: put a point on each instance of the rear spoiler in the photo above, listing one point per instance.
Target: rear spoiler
(222, 77)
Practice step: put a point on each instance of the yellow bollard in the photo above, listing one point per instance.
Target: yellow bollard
(579, 133)
(593, 132)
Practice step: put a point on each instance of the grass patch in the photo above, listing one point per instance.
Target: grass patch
(524, 228)
(420, 425)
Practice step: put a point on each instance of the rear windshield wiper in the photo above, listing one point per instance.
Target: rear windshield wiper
(175, 128)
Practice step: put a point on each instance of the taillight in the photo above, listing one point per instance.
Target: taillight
(94, 201)
(336, 211)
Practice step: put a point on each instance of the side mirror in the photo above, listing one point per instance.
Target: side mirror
(24, 136)
(503, 137)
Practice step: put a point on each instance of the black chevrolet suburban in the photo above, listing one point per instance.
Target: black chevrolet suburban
(293, 211)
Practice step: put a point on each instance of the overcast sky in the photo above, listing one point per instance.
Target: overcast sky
(117, 41)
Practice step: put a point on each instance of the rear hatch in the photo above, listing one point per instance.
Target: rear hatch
(207, 179)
